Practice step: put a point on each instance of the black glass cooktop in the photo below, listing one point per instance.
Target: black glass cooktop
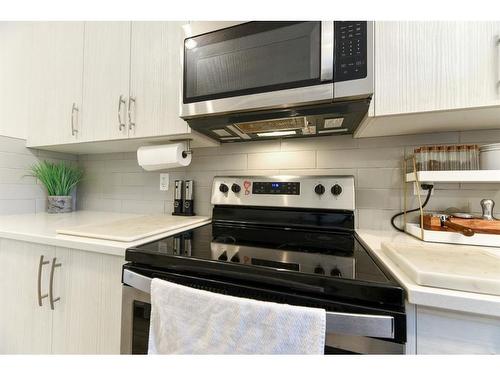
(314, 261)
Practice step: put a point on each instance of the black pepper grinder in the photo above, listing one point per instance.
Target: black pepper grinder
(188, 198)
(178, 192)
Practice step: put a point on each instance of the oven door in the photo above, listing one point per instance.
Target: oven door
(347, 333)
(256, 65)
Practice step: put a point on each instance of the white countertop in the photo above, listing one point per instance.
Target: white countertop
(41, 228)
(485, 304)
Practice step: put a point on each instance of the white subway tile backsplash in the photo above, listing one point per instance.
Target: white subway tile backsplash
(250, 147)
(15, 176)
(132, 179)
(375, 163)
(17, 206)
(480, 136)
(368, 218)
(410, 140)
(380, 178)
(360, 158)
(218, 162)
(98, 204)
(319, 143)
(378, 198)
(143, 207)
(282, 160)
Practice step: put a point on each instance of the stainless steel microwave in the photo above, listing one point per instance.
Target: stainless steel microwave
(231, 68)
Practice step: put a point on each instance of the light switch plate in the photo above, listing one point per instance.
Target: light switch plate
(164, 180)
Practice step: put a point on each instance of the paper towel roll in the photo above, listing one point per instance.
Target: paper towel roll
(152, 158)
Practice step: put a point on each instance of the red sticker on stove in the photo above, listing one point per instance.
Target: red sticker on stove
(246, 185)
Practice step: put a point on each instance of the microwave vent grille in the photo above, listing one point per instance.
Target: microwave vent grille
(253, 127)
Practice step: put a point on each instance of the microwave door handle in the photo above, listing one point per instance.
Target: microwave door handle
(327, 43)
(378, 326)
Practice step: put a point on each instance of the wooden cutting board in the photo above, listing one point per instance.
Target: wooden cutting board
(133, 229)
(464, 268)
(432, 222)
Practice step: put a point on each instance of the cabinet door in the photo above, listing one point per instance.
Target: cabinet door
(155, 79)
(57, 83)
(15, 66)
(25, 327)
(86, 320)
(448, 332)
(105, 80)
(429, 66)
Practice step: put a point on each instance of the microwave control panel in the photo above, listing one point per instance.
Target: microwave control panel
(350, 50)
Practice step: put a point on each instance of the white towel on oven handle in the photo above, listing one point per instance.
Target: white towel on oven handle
(186, 320)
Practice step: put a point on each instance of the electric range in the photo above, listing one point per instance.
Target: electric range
(285, 239)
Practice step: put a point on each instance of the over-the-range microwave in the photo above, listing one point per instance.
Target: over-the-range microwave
(267, 79)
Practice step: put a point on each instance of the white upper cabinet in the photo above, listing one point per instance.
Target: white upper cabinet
(15, 67)
(433, 66)
(105, 81)
(155, 79)
(57, 82)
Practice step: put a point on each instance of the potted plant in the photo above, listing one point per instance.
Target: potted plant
(59, 179)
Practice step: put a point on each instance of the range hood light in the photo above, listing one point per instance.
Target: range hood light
(190, 43)
(276, 134)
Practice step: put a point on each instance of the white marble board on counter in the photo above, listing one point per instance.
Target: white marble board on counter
(464, 268)
(129, 229)
(449, 299)
(42, 228)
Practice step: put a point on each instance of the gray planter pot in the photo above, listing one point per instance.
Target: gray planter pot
(60, 204)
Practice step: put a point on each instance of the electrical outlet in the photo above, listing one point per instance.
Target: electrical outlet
(423, 192)
(164, 181)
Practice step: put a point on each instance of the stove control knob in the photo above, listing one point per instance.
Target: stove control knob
(236, 188)
(319, 189)
(319, 270)
(336, 189)
(223, 188)
(335, 272)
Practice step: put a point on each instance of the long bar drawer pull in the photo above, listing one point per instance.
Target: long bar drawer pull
(121, 123)
(51, 284)
(40, 266)
(379, 326)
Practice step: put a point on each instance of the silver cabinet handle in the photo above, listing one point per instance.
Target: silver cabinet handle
(498, 62)
(121, 124)
(131, 124)
(40, 266)
(74, 109)
(51, 284)
(378, 326)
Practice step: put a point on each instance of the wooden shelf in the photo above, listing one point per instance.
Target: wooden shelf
(485, 176)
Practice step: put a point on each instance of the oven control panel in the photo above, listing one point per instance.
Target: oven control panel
(276, 187)
(320, 192)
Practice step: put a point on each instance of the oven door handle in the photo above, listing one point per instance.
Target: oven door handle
(378, 326)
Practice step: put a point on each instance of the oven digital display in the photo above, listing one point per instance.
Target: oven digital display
(285, 188)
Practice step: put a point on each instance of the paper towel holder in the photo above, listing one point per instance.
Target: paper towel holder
(189, 150)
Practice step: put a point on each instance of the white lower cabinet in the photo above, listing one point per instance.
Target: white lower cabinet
(86, 291)
(25, 327)
(449, 332)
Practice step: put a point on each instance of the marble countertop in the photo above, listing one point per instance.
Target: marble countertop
(41, 228)
(477, 303)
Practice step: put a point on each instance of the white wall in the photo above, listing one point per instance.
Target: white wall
(19, 192)
(116, 183)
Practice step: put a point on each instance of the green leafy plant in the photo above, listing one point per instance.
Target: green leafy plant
(59, 178)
